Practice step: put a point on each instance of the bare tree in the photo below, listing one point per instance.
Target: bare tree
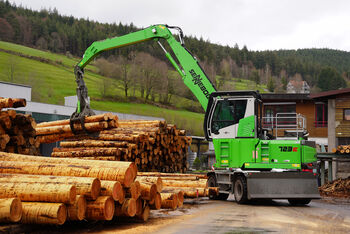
(12, 65)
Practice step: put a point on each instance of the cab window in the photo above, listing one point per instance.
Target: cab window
(228, 112)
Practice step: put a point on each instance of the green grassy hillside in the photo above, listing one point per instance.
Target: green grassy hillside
(51, 77)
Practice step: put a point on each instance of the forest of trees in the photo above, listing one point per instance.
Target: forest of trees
(48, 30)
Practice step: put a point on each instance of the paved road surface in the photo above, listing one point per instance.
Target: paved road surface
(264, 217)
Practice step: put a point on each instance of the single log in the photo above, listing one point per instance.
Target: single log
(103, 158)
(159, 174)
(92, 143)
(100, 209)
(77, 210)
(128, 208)
(124, 172)
(133, 191)
(180, 198)
(88, 119)
(192, 184)
(169, 200)
(43, 213)
(139, 206)
(6, 102)
(148, 190)
(86, 152)
(151, 179)
(53, 138)
(39, 192)
(89, 187)
(10, 210)
(18, 102)
(145, 214)
(156, 202)
(113, 189)
(213, 191)
(188, 192)
(92, 127)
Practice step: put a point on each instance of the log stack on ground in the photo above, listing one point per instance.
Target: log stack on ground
(17, 131)
(342, 149)
(152, 145)
(49, 132)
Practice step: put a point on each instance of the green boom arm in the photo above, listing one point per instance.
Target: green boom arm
(189, 68)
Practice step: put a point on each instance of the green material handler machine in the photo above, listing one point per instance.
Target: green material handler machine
(249, 163)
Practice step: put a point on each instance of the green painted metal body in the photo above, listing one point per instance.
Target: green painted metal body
(192, 74)
(248, 152)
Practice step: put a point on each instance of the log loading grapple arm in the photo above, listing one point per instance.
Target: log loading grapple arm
(187, 66)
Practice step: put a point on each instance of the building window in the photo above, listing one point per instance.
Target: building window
(271, 111)
(321, 115)
(346, 114)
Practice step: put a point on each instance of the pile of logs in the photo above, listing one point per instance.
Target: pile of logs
(53, 190)
(342, 149)
(49, 132)
(152, 145)
(17, 133)
(337, 188)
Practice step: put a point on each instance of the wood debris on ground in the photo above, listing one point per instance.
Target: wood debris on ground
(337, 188)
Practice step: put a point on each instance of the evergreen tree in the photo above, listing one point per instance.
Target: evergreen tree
(330, 79)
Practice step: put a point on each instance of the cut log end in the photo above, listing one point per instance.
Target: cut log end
(78, 209)
(109, 209)
(10, 210)
(15, 210)
(62, 214)
(95, 188)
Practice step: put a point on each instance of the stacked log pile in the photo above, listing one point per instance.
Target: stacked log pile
(342, 149)
(49, 132)
(337, 188)
(54, 190)
(17, 133)
(152, 145)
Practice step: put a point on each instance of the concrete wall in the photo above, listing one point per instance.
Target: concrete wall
(331, 131)
(9, 90)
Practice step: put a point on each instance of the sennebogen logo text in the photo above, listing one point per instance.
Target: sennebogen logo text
(197, 80)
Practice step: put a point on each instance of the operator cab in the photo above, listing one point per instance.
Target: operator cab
(233, 115)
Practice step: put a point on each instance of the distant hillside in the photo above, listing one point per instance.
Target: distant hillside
(48, 30)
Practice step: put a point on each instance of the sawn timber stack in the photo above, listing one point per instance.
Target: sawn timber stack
(152, 145)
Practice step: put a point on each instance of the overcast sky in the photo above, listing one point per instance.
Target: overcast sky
(258, 24)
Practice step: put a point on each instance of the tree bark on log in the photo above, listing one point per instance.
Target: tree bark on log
(89, 187)
(43, 213)
(169, 200)
(92, 127)
(156, 202)
(113, 189)
(191, 184)
(76, 211)
(100, 209)
(128, 208)
(39, 192)
(10, 210)
(93, 143)
(151, 179)
(124, 172)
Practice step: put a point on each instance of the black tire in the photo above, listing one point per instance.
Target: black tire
(299, 201)
(240, 190)
(212, 183)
